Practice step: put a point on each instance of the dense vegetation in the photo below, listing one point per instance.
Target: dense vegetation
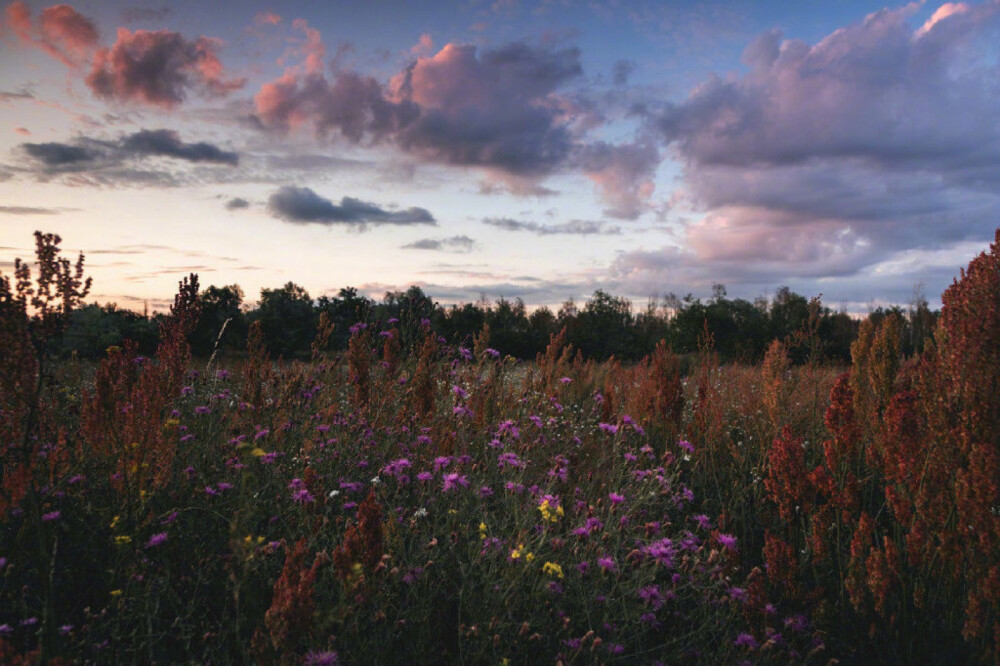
(604, 326)
(415, 501)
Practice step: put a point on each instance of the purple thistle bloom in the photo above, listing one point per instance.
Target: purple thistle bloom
(6, 629)
(452, 480)
(210, 491)
(156, 540)
(746, 640)
(441, 462)
(608, 427)
(424, 476)
(202, 409)
(222, 485)
(686, 445)
(328, 658)
(485, 491)
(50, 516)
(460, 392)
(651, 595)
(727, 541)
(607, 563)
(703, 521)
(493, 352)
(616, 499)
(303, 496)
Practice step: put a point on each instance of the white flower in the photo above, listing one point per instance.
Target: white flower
(376, 481)
(420, 513)
(334, 493)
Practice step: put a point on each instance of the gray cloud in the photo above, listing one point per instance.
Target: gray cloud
(452, 244)
(28, 210)
(302, 205)
(237, 203)
(167, 143)
(107, 160)
(573, 227)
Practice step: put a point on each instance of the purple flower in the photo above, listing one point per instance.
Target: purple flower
(608, 427)
(441, 462)
(493, 352)
(328, 658)
(6, 629)
(727, 541)
(424, 476)
(607, 563)
(616, 499)
(202, 409)
(703, 521)
(50, 516)
(452, 480)
(686, 445)
(509, 458)
(222, 485)
(261, 433)
(65, 629)
(156, 540)
(746, 640)
(209, 490)
(485, 491)
(651, 595)
(460, 392)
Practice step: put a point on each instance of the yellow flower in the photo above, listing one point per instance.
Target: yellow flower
(116, 593)
(114, 522)
(529, 557)
(123, 539)
(482, 530)
(516, 553)
(258, 452)
(549, 513)
(552, 569)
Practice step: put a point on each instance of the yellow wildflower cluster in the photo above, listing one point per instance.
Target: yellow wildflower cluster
(518, 553)
(482, 530)
(550, 513)
(123, 540)
(552, 569)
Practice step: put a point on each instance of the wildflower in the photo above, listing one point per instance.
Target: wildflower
(123, 540)
(537, 420)
(454, 479)
(583, 567)
(328, 658)
(552, 569)
(607, 563)
(460, 392)
(616, 499)
(210, 491)
(28, 622)
(156, 540)
(420, 513)
(550, 508)
(464, 353)
(461, 410)
(566, 380)
(703, 521)
(727, 541)
(441, 462)
(485, 491)
(303, 496)
(6, 629)
(509, 458)
(424, 476)
(493, 352)
(652, 596)
(482, 530)
(261, 433)
(608, 427)
(50, 516)
(202, 409)
(746, 640)
(65, 629)
(3, 562)
(187, 390)
(686, 445)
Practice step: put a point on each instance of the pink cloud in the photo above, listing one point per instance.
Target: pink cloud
(941, 13)
(61, 32)
(423, 46)
(267, 18)
(158, 68)
(24, 131)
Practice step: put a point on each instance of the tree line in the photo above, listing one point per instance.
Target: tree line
(603, 326)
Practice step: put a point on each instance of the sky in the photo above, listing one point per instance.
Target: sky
(533, 149)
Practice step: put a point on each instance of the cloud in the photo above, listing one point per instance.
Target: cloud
(28, 210)
(301, 205)
(237, 203)
(61, 32)
(58, 155)
(621, 71)
(267, 18)
(136, 14)
(167, 143)
(623, 175)
(452, 244)
(423, 46)
(87, 154)
(826, 161)
(158, 68)
(573, 227)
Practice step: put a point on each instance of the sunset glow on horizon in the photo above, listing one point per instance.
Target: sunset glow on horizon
(521, 149)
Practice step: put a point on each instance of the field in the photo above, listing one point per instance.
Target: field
(447, 505)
